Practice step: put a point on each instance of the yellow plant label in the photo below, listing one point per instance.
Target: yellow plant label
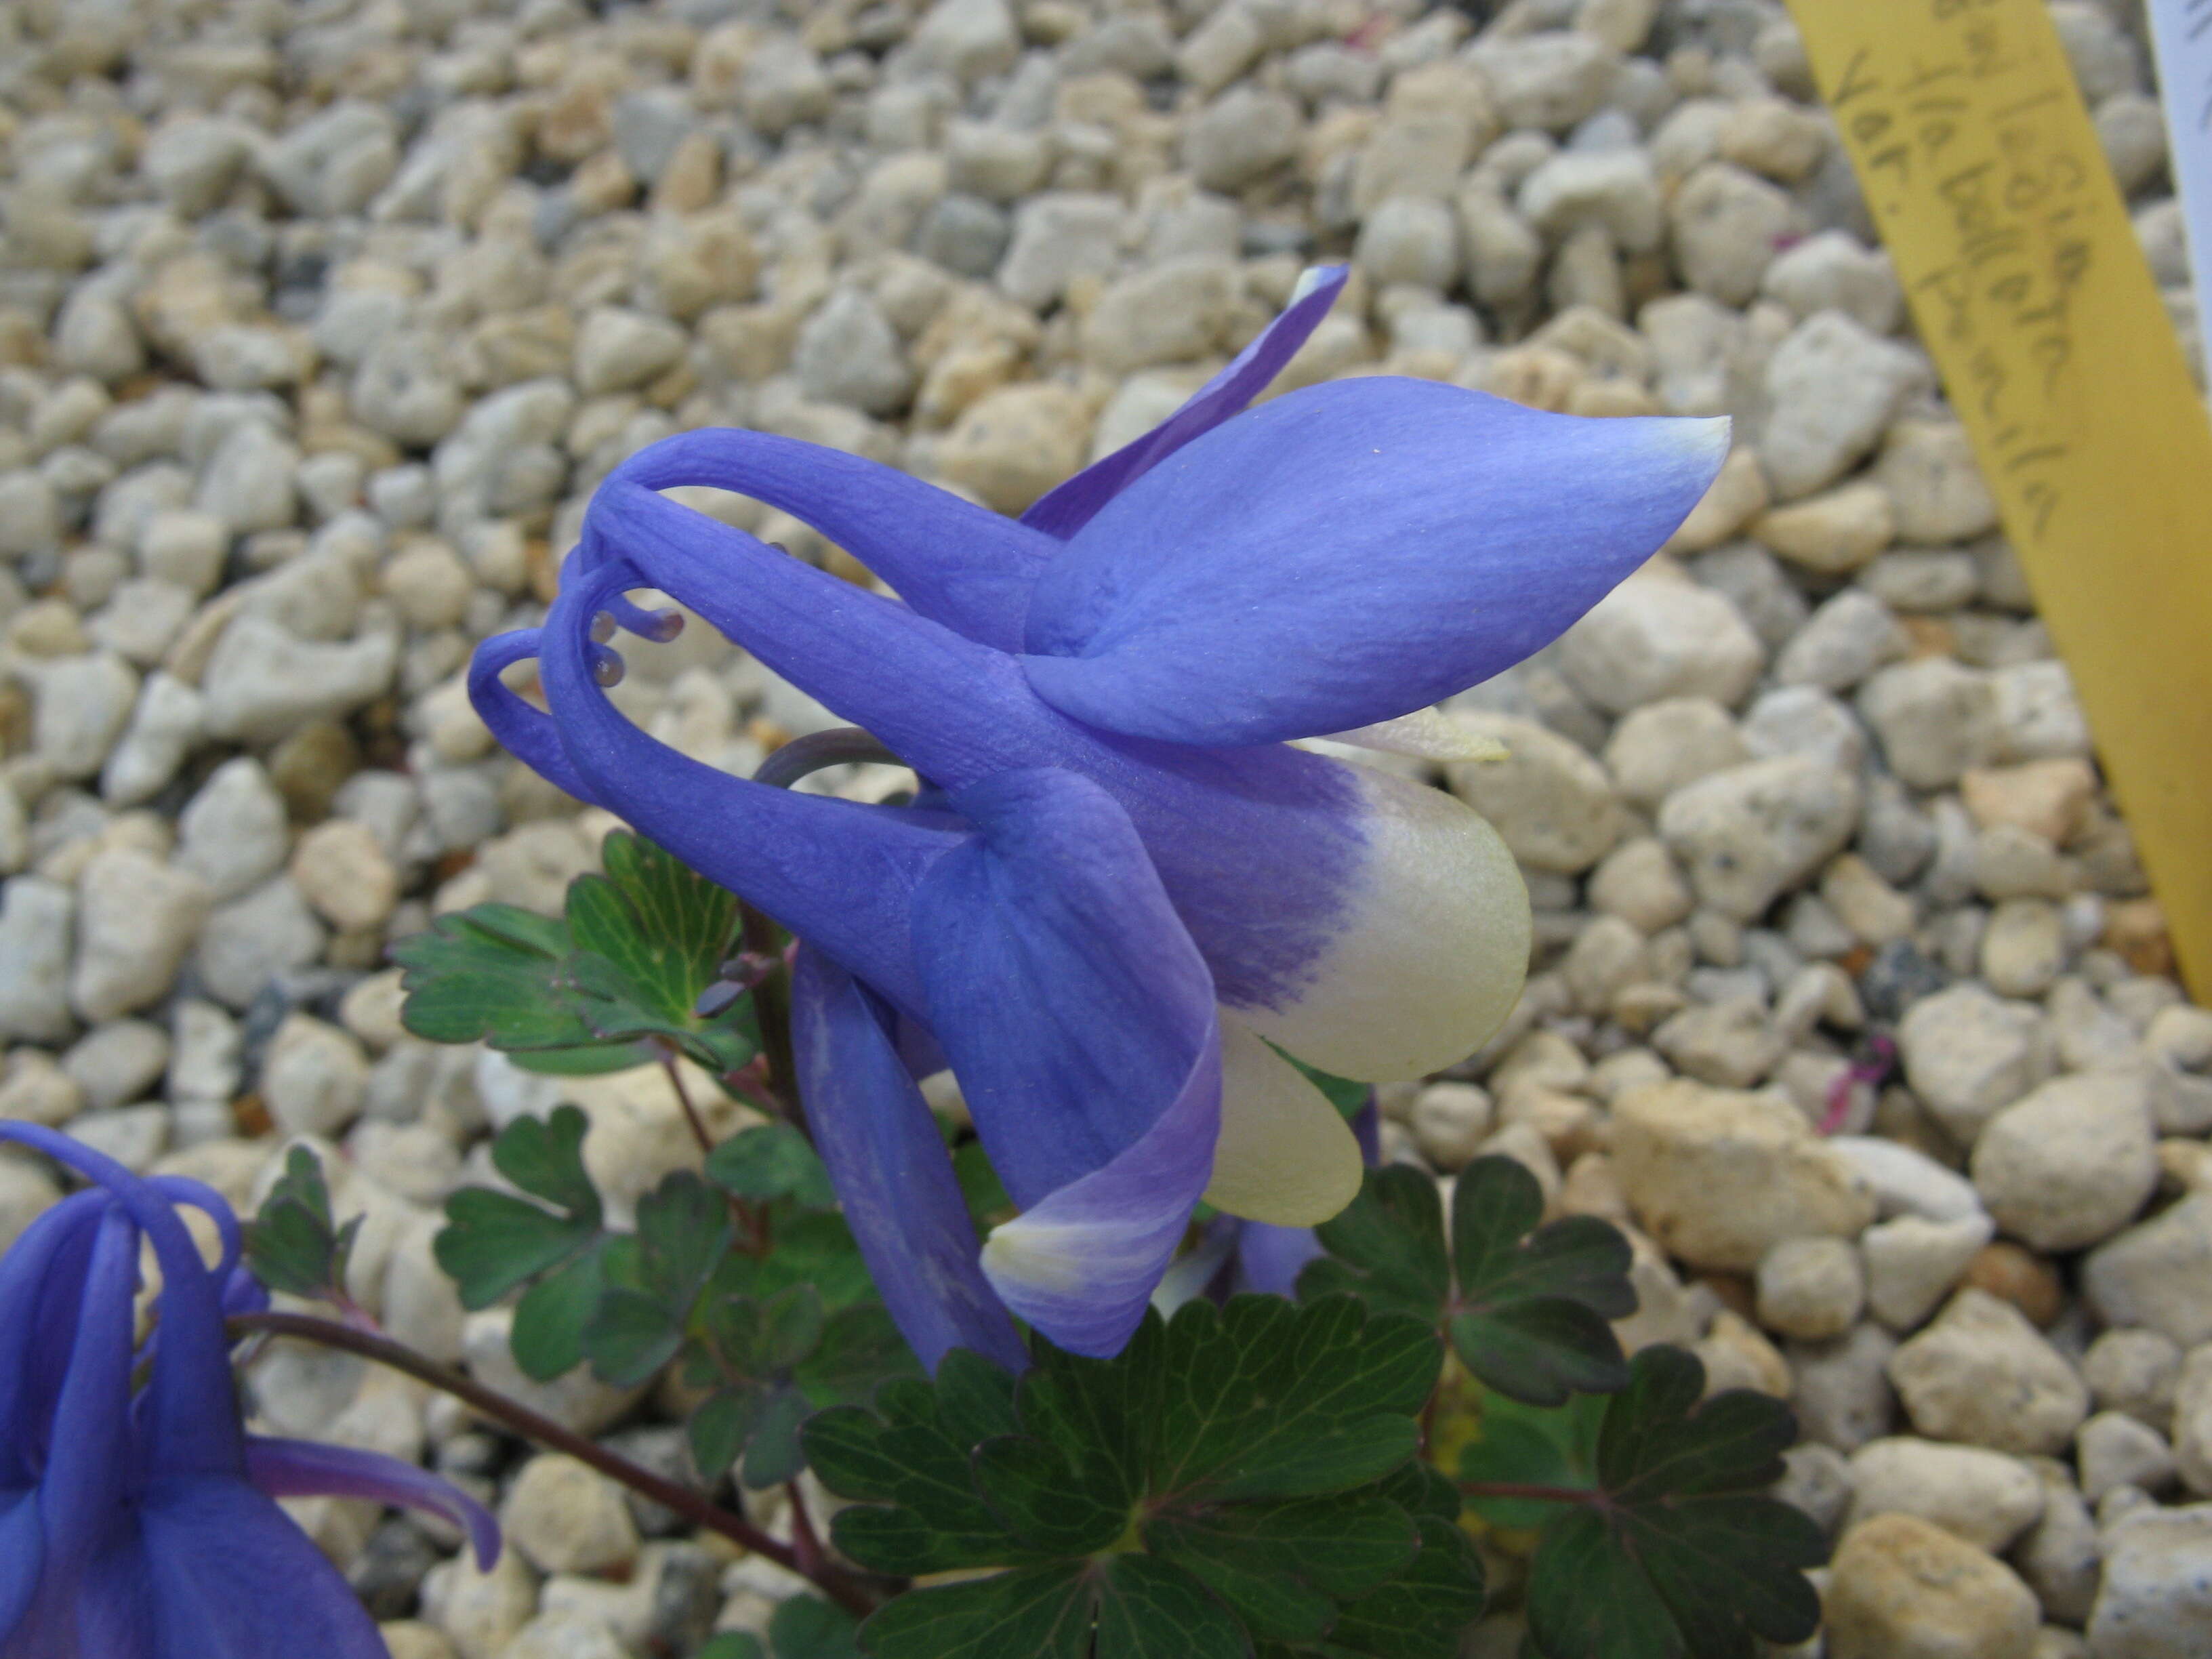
(1981, 167)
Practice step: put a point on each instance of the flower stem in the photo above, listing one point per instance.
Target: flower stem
(805, 1543)
(772, 1007)
(842, 1588)
(683, 1096)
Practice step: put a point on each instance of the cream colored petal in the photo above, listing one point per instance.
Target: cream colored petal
(1433, 952)
(1427, 734)
(1285, 1155)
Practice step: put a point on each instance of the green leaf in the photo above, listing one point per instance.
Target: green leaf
(654, 1279)
(1530, 1318)
(545, 1156)
(1275, 1400)
(1150, 1609)
(807, 1627)
(1524, 1446)
(1387, 1246)
(649, 938)
(489, 974)
(1423, 1610)
(802, 1627)
(812, 1247)
(1420, 1489)
(1031, 1487)
(630, 1335)
(1282, 1566)
(860, 1347)
(668, 928)
(547, 1337)
(1220, 1477)
(801, 1363)
(722, 1424)
(908, 1458)
(1526, 1304)
(636, 950)
(1681, 1555)
(773, 1454)
(493, 1243)
(292, 1245)
(1038, 1613)
(770, 1161)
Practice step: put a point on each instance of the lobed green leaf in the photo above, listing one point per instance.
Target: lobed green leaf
(1220, 1477)
(770, 1161)
(292, 1245)
(491, 974)
(1677, 1553)
(1526, 1304)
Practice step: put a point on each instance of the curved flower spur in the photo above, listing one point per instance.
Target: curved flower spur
(137, 1518)
(1122, 896)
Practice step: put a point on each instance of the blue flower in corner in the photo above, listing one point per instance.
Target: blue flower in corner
(138, 1521)
(1122, 896)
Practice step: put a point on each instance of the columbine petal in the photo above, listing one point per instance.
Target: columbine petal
(82, 1489)
(1065, 990)
(228, 1576)
(876, 662)
(1081, 1265)
(1431, 953)
(525, 732)
(1270, 1259)
(1066, 508)
(308, 1469)
(1349, 553)
(1198, 1271)
(1285, 1155)
(832, 871)
(890, 1167)
(1080, 1019)
(40, 1280)
(22, 1557)
(191, 1416)
(953, 562)
(198, 1195)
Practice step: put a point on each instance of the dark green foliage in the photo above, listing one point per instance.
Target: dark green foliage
(492, 972)
(749, 1283)
(1234, 1475)
(803, 1627)
(653, 1279)
(650, 938)
(1676, 1552)
(611, 985)
(495, 1242)
(771, 1160)
(292, 1245)
(1242, 1482)
(1525, 1304)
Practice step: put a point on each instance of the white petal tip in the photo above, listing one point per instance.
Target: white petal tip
(1426, 734)
(1311, 278)
(1708, 436)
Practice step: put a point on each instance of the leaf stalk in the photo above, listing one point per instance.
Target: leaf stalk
(807, 1560)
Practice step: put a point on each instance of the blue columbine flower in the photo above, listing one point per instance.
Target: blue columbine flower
(1122, 896)
(138, 1521)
